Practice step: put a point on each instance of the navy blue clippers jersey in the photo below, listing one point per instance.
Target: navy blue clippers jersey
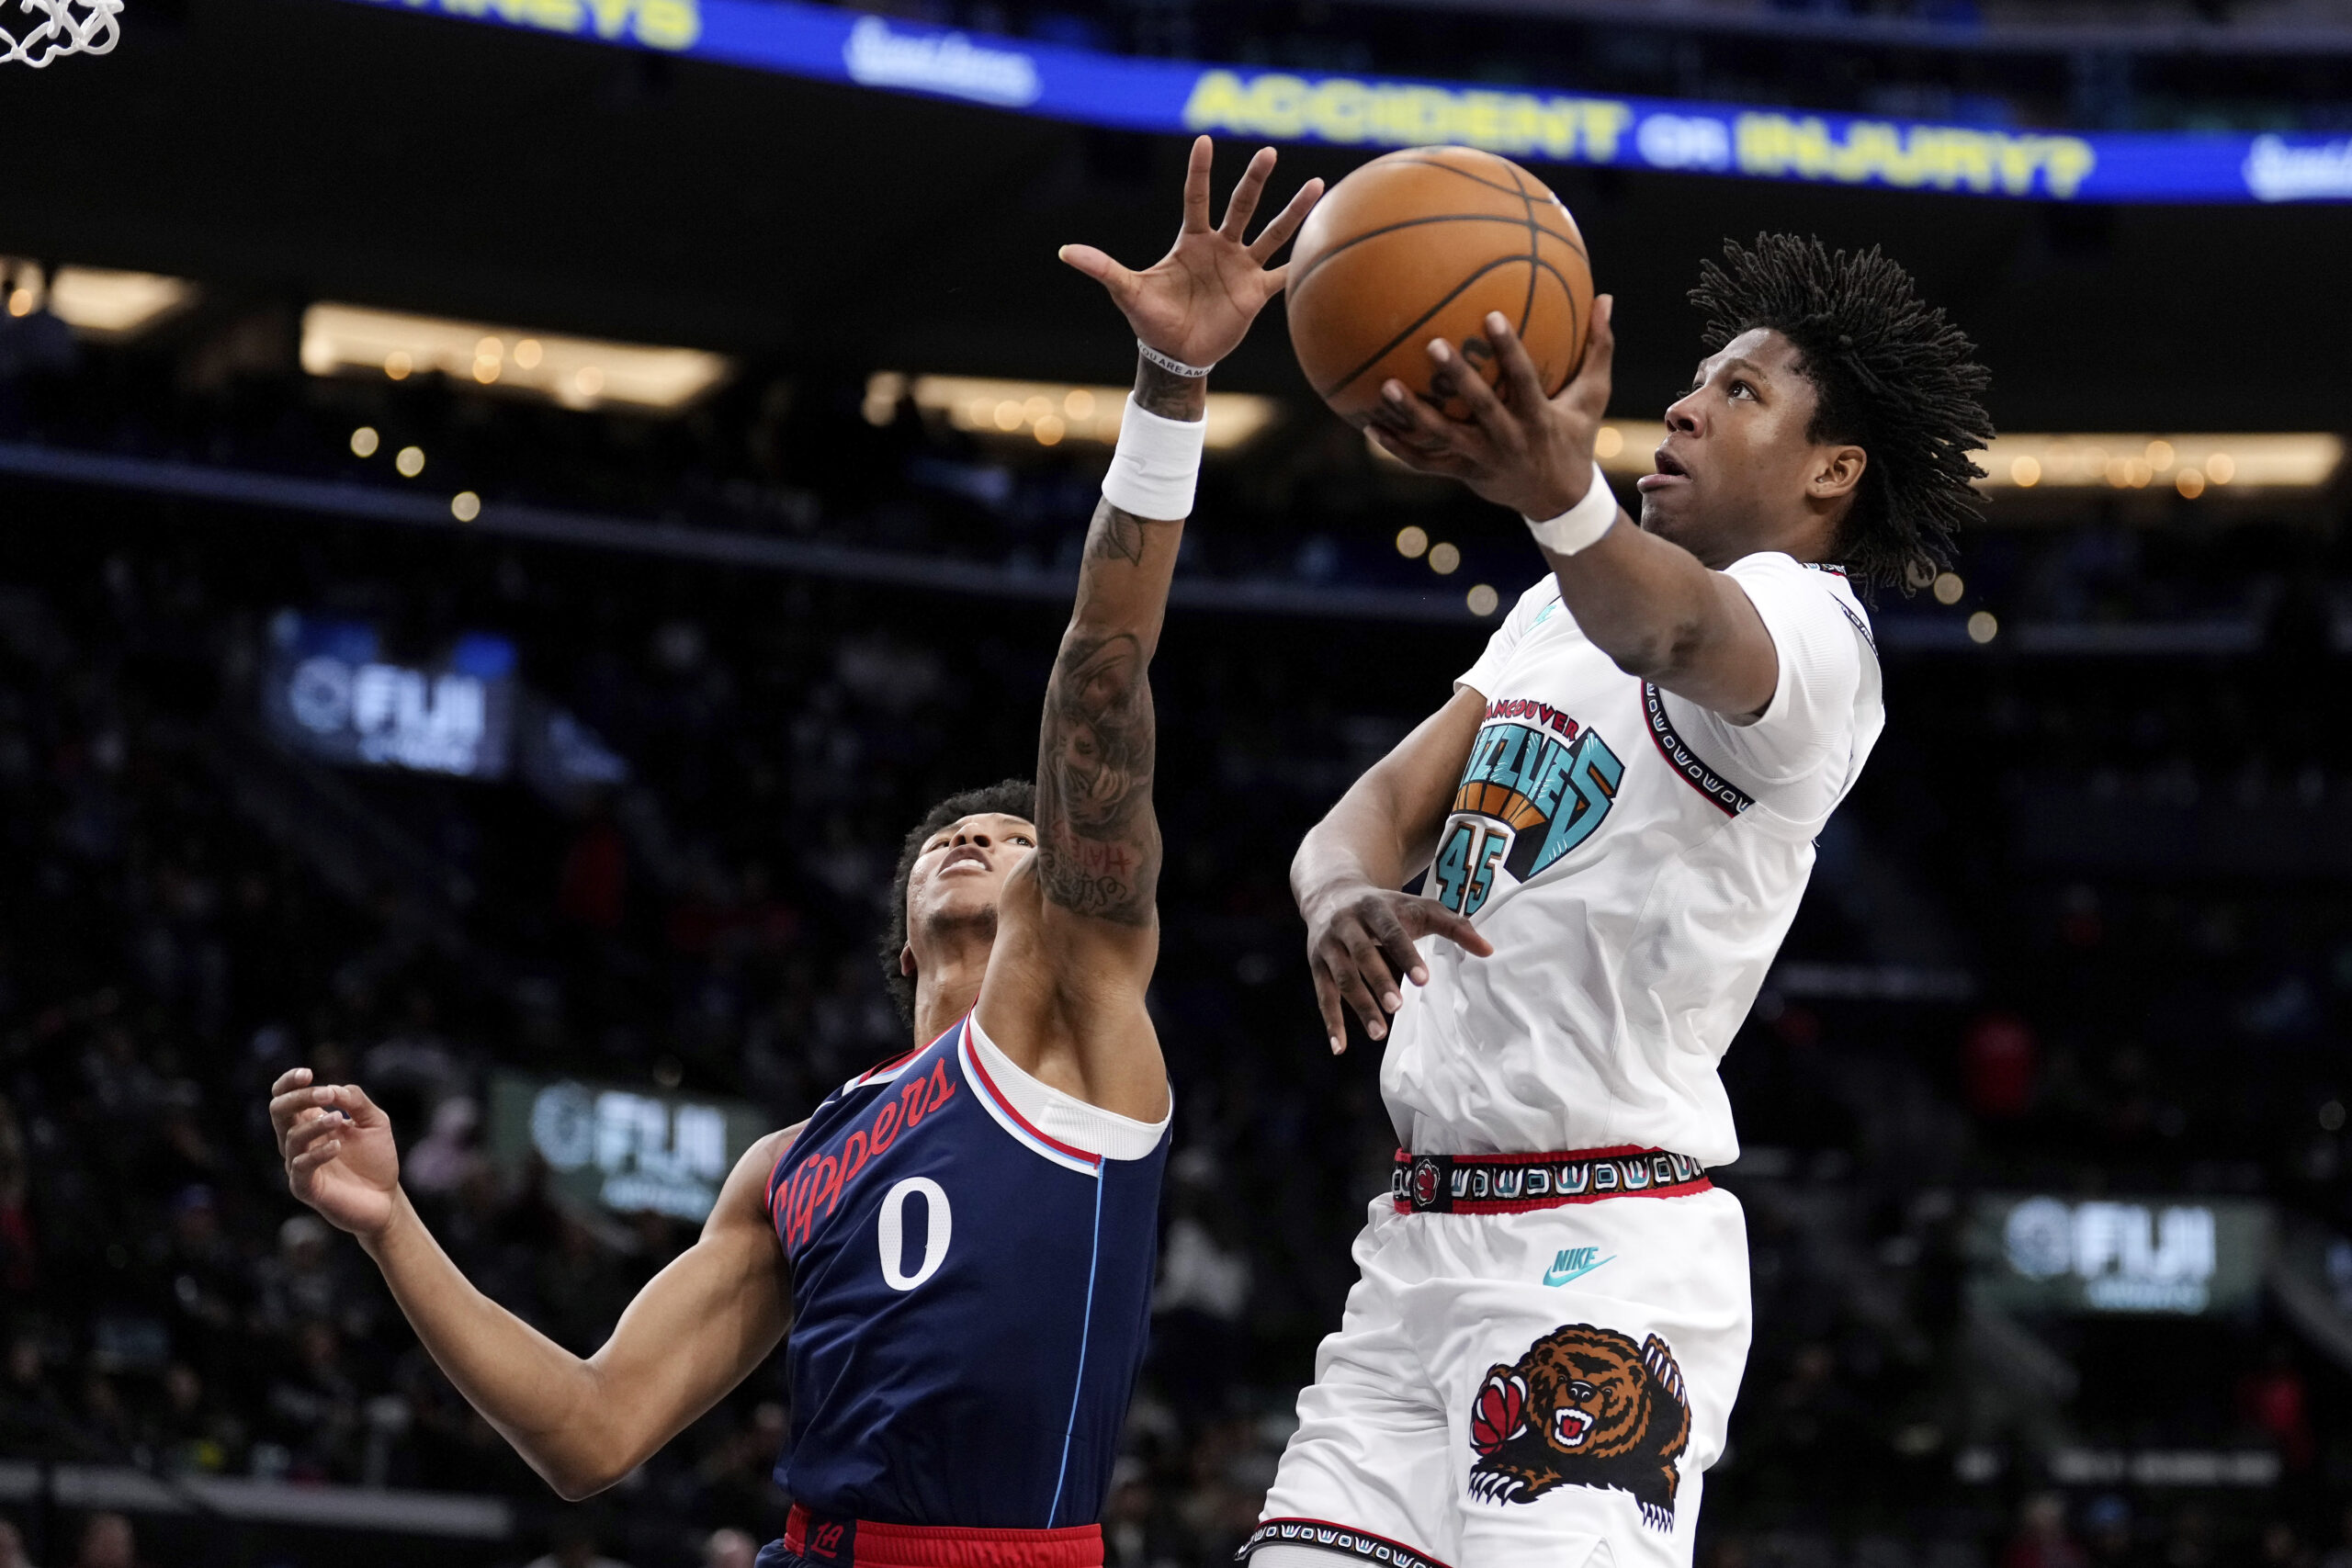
(969, 1301)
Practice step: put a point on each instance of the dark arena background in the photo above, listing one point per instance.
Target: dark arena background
(508, 512)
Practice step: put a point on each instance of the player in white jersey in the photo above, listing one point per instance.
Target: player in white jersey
(1616, 815)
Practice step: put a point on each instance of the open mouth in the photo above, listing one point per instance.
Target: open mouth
(1669, 471)
(1571, 1425)
(958, 858)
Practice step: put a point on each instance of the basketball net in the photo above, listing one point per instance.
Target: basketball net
(62, 31)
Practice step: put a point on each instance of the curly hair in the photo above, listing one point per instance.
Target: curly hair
(1892, 376)
(1010, 797)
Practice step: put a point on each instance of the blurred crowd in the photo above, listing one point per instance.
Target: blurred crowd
(2122, 996)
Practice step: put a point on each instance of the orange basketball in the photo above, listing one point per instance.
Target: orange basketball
(1422, 243)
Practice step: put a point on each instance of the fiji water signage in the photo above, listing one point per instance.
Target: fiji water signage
(330, 688)
(622, 1150)
(2177, 1257)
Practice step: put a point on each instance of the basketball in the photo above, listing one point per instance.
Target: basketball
(1423, 243)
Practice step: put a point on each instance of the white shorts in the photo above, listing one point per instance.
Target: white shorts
(1534, 1389)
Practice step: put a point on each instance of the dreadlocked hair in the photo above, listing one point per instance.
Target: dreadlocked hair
(1011, 798)
(1892, 376)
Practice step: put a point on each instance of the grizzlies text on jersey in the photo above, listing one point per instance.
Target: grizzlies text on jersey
(971, 1256)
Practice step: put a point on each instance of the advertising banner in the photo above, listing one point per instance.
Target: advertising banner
(1379, 112)
(623, 1150)
(2182, 1256)
(328, 689)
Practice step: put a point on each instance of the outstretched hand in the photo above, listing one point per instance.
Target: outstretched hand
(1196, 302)
(337, 1144)
(1517, 448)
(1360, 950)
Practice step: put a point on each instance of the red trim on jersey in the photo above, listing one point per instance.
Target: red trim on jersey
(831, 1542)
(988, 1084)
(892, 1064)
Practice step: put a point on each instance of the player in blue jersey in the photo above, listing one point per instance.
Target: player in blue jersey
(960, 1242)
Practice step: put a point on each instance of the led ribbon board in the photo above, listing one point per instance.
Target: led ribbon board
(1088, 87)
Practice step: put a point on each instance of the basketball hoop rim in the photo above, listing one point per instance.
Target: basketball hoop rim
(62, 31)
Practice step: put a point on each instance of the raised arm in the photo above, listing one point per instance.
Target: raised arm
(1656, 608)
(1077, 927)
(693, 1332)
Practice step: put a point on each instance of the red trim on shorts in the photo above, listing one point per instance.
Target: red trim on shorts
(833, 1542)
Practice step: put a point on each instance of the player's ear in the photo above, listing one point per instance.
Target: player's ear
(1836, 471)
(907, 961)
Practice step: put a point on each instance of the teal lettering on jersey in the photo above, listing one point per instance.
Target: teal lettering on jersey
(1528, 796)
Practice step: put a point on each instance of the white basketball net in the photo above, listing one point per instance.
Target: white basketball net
(67, 26)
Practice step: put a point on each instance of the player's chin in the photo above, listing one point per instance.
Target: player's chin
(1665, 512)
(964, 897)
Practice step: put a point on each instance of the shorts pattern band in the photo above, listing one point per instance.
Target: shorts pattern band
(1513, 1184)
(1328, 1536)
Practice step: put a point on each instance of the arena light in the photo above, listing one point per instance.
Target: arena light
(96, 301)
(1624, 447)
(579, 373)
(2190, 465)
(1049, 412)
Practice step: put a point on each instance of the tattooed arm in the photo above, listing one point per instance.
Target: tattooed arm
(1097, 853)
(1078, 929)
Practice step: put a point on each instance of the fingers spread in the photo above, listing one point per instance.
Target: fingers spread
(1098, 266)
(1419, 427)
(1276, 235)
(1196, 187)
(1453, 376)
(1243, 203)
(1600, 348)
(1523, 386)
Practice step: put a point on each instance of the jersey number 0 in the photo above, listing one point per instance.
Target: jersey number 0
(890, 1230)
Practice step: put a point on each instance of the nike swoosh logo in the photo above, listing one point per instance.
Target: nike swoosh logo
(1554, 1276)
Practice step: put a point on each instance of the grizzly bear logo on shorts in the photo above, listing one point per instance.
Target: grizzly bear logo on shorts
(1583, 1407)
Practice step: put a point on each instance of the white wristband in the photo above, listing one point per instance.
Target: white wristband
(1174, 366)
(1157, 464)
(1581, 525)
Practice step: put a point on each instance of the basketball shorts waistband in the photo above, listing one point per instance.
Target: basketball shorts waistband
(1515, 1184)
(829, 1540)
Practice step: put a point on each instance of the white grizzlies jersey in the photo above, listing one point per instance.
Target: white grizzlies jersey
(1636, 860)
